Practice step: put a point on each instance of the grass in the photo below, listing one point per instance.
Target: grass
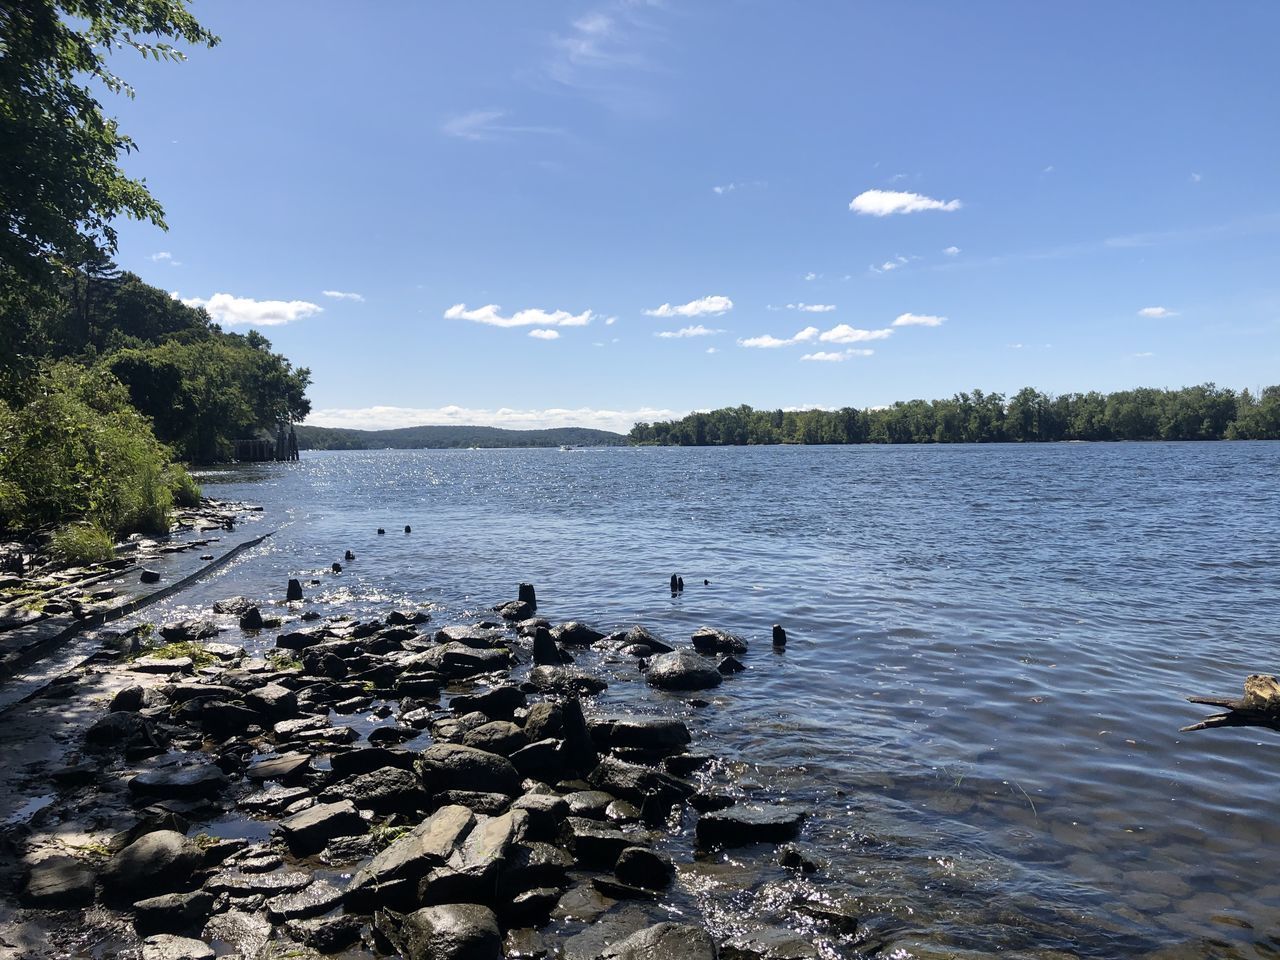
(200, 657)
(81, 544)
(384, 835)
(283, 661)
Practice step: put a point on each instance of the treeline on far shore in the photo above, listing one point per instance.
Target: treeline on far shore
(1204, 412)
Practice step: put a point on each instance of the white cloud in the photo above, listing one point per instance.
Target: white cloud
(918, 320)
(388, 418)
(545, 334)
(1156, 313)
(698, 330)
(487, 125)
(843, 333)
(721, 189)
(826, 356)
(812, 276)
(162, 255)
(610, 321)
(812, 307)
(882, 203)
(712, 350)
(232, 311)
(952, 251)
(490, 314)
(769, 342)
(339, 295)
(702, 307)
(1196, 178)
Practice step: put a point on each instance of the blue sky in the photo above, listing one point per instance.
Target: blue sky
(491, 212)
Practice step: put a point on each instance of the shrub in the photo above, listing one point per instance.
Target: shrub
(83, 543)
(186, 492)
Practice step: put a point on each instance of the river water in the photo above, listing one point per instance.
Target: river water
(990, 647)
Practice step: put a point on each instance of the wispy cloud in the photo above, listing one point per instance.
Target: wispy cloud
(545, 334)
(387, 417)
(883, 203)
(232, 311)
(1196, 178)
(827, 356)
(164, 256)
(770, 342)
(812, 307)
(952, 251)
(1144, 353)
(1156, 313)
(491, 315)
(339, 295)
(918, 320)
(725, 188)
(813, 276)
(896, 263)
(599, 53)
(489, 125)
(712, 350)
(711, 306)
(843, 333)
(698, 330)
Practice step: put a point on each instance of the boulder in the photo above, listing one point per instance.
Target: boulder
(280, 767)
(127, 731)
(648, 733)
(595, 844)
(683, 940)
(307, 832)
(273, 701)
(327, 934)
(180, 777)
(647, 788)
(499, 703)
(459, 661)
(565, 681)
(164, 946)
(448, 766)
(455, 931)
(638, 637)
(233, 606)
(543, 720)
(149, 576)
(410, 857)
(128, 699)
(498, 736)
(682, 670)
(575, 634)
(475, 637)
(59, 883)
(368, 759)
(188, 631)
(641, 867)
(545, 651)
(293, 592)
(530, 864)
(471, 873)
(314, 900)
(514, 610)
(172, 912)
(160, 862)
(251, 619)
(711, 640)
(745, 824)
(389, 790)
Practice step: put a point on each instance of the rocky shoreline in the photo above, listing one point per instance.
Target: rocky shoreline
(390, 787)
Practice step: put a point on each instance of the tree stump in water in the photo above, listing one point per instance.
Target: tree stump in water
(1259, 707)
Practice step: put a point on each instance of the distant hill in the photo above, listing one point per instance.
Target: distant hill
(434, 438)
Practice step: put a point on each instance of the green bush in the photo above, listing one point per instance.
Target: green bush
(186, 492)
(83, 543)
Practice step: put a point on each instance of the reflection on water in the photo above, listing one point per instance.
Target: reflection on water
(989, 651)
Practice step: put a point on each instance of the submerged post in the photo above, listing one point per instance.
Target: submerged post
(527, 595)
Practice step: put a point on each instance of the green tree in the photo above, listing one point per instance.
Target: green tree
(61, 183)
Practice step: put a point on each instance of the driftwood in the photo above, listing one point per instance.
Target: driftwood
(1259, 707)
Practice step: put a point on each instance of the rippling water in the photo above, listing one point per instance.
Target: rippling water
(990, 647)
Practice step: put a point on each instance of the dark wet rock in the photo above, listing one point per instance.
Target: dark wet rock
(123, 731)
(595, 844)
(298, 640)
(514, 610)
(475, 637)
(530, 864)
(280, 767)
(532, 907)
(498, 736)
(622, 891)
(164, 946)
(835, 912)
(149, 576)
(327, 934)
(257, 859)
(179, 776)
(342, 851)
(368, 759)
(565, 681)
(251, 619)
(453, 729)
(622, 811)
(353, 705)
(705, 801)
(454, 931)
(160, 862)
(323, 663)
(471, 873)
(768, 943)
(391, 733)
(583, 903)
(546, 811)
(404, 618)
(546, 653)
(247, 933)
(605, 930)
(683, 764)
(59, 883)
(223, 719)
(543, 720)
(233, 606)
(185, 691)
(188, 631)
(730, 664)
(293, 592)
(745, 824)
(172, 912)
(639, 642)
(526, 593)
(458, 661)
(447, 766)
(650, 733)
(588, 803)
(287, 730)
(682, 670)
(314, 900)
(641, 785)
(683, 940)
(240, 884)
(498, 703)
(795, 857)
(128, 700)
(410, 857)
(641, 867)
(389, 790)
(477, 801)
(579, 752)
(525, 944)
(575, 634)
(422, 684)
(542, 760)
(711, 640)
(308, 831)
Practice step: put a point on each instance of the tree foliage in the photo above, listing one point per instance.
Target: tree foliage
(61, 183)
(1204, 412)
